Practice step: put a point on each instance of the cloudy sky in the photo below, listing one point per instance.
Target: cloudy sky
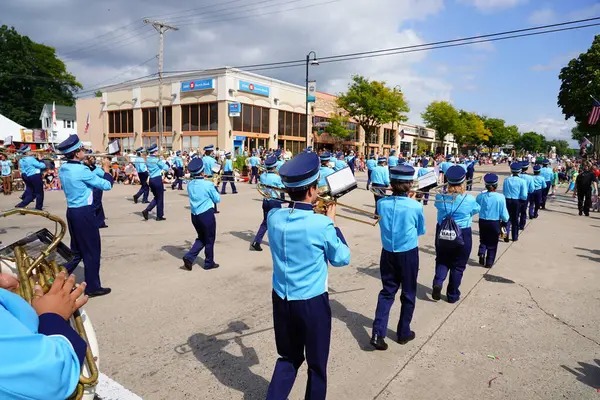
(517, 80)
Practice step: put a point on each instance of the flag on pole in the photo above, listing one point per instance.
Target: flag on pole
(595, 114)
(584, 143)
(87, 124)
(54, 124)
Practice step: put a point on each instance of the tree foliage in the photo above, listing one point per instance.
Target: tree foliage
(98, 93)
(30, 76)
(562, 146)
(577, 134)
(501, 134)
(470, 129)
(531, 142)
(372, 104)
(338, 126)
(441, 116)
(581, 80)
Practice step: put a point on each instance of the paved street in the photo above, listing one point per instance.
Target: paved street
(166, 333)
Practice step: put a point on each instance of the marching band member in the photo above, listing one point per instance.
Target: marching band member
(339, 162)
(77, 182)
(530, 189)
(380, 177)
(402, 222)
(178, 171)
(6, 166)
(539, 183)
(155, 168)
(325, 170)
(209, 161)
(142, 170)
(269, 178)
(280, 160)
(31, 167)
(42, 354)
(228, 174)
(470, 172)
(462, 164)
(424, 161)
(22, 164)
(371, 163)
(302, 243)
(548, 175)
(444, 167)
(424, 171)
(392, 159)
(461, 208)
(351, 160)
(203, 198)
(515, 190)
(97, 193)
(254, 162)
(332, 160)
(492, 215)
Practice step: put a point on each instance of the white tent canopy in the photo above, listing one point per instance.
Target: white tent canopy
(10, 128)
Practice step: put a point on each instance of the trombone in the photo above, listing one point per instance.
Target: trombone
(324, 199)
(418, 195)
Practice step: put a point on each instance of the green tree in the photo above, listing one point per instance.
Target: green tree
(441, 116)
(98, 93)
(422, 147)
(532, 142)
(338, 126)
(501, 134)
(581, 80)
(562, 146)
(372, 104)
(470, 129)
(577, 134)
(30, 76)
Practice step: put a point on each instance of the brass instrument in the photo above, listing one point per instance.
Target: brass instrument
(217, 178)
(414, 194)
(324, 199)
(32, 271)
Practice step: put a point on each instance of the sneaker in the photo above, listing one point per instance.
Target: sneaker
(437, 292)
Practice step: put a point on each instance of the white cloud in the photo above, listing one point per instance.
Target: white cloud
(483, 46)
(542, 16)
(493, 5)
(556, 63)
(550, 127)
(586, 12)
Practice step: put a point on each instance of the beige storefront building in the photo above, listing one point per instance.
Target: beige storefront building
(232, 109)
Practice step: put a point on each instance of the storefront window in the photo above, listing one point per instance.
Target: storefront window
(253, 119)
(199, 117)
(388, 136)
(292, 124)
(120, 121)
(150, 119)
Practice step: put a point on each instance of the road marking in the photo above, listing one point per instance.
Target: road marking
(108, 389)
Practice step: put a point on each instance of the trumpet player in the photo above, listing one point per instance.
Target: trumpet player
(31, 169)
(269, 178)
(339, 161)
(178, 171)
(380, 177)
(228, 175)
(325, 170)
(492, 215)
(203, 197)
(402, 222)
(155, 168)
(78, 181)
(302, 244)
(142, 170)
(444, 168)
(254, 162)
(392, 159)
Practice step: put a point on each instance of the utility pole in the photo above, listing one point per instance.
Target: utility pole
(161, 28)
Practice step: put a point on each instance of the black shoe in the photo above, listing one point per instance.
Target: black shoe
(378, 342)
(217, 212)
(145, 214)
(223, 193)
(506, 240)
(580, 212)
(437, 292)
(406, 339)
(207, 267)
(161, 219)
(187, 264)
(255, 246)
(481, 259)
(145, 202)
(135, 199)
(99, 292)
(235, 193)
(104, 226)
(587, 214)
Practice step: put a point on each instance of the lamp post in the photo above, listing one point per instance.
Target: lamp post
(315, 62)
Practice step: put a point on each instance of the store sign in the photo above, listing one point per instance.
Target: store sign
(240, 138)
(312, 92)
(235, 109)
(253, 88)
(201, 84)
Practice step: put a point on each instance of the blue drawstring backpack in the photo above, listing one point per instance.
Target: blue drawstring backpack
(450, 236)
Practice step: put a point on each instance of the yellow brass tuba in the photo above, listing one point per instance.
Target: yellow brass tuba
(31, 271)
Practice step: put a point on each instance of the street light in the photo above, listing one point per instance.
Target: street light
(313, 62)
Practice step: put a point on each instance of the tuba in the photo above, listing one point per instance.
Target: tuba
(40, 269)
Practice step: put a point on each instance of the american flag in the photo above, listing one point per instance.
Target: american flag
(595, 114)
(584, 142)
(87, 124)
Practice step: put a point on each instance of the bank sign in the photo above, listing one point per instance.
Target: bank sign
(201, 84)
(253, 88)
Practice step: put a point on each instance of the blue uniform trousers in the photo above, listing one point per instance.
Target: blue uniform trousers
(453, 261)
(254, 174)
(469, 178)
(28, 188)
(377, 198)
(368, 178)
(523, 211)
(145, 189)
(178, 182)
(351, 165)
(534, 203)
(301, 327)
(36, 191)
(489, 233)
(267, 206)
(158, 190)
(512, 226)
(85, 244)
(97, 206)
(545, 192)
(397, 269)
(228, 177)
(206, 230)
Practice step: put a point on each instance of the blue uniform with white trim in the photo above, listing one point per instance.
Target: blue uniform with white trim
(31, 167)
(392, 161)
(324, 173)
(492, 214)
(41, 355)
(339, 164)
(178, 172)
(371, 164)
(228, 175)
(142, 170)
(155, 168)
(514, 190)
(380, 177)
(539, 184)
(548, 175)
(268, 178)
(524, 207)
(254, 163)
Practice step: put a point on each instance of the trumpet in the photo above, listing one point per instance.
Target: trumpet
(41, 270)
(417, 195)
(324, 200)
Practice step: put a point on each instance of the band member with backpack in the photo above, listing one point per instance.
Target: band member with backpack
(453, 240)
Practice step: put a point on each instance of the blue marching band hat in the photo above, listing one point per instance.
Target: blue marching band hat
(490, 179)
(536, 169)
(139, 149)
(524, 165)
(401, 161)
(402, 173)
(545, 161)
(325, 156)
(381, 159)
(228, 154)
(178, 153)
(271, 161)
(372, 156)
(70, 144)
(300, 172)
(339, 154)
(24, 149)
(448, 156)
(393, 151)
(210, 147)
(456, 175)
(195, 166)
(515, 167)
(194, 155)
(152, 149)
